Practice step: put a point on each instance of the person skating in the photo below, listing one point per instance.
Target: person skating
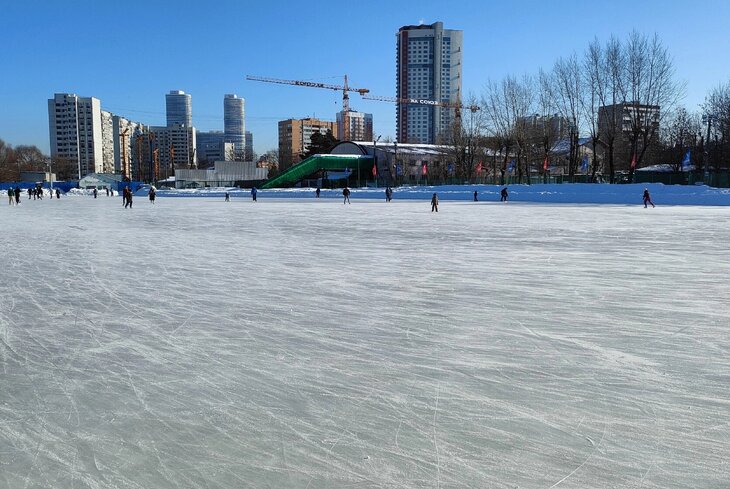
(435, 203)
(388, 194)
(647, 198)
(58, 194)
(11, 196)
(503, 195)
(96, 192)
(475, 196)
(30, 193)
(153, 193)
(17, 195)
(128, 200)
(228, 197)
(346, 195)
(316, 193)
(107, 191)
(253, 193)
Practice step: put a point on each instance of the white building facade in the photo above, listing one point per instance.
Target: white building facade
(75, 131)
(428, 67)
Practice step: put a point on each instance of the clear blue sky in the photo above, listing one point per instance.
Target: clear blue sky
(129, 54)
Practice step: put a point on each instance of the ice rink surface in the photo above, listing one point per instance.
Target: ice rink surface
(309, 344)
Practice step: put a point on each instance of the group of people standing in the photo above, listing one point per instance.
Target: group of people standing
(35, 193)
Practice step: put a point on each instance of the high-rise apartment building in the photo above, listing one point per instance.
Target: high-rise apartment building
(428, 67)
(234, 125)
(176, 148)
(179, 108)
(75, 129)
(361, 125)
(295, 136)
(131, 149)
(249, 147)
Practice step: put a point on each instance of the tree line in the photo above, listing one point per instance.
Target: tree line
(28, 158)
(522, 118)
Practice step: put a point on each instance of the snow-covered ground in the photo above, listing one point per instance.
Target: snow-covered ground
(310, 344)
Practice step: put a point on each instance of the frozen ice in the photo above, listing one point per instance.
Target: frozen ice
(305, 343)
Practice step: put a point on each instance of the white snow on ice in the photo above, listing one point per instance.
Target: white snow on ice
(310, 344)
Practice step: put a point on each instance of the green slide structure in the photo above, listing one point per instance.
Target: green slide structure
(315, 163)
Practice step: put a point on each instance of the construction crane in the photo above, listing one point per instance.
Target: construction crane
(345, 96)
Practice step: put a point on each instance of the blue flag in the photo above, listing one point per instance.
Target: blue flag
(584, 163)
(450, 168)
(686, 162)
(398, 170)
(511, 166)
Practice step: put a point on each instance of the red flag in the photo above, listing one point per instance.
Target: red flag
(375, 170)
(424, 169)
(545, 164)
(633, 161)
(479, 167)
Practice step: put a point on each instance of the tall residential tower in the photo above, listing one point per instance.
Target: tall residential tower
(179, 108)
(428, 67)
(234, 125)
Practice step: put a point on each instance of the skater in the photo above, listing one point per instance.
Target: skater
(153, 193)
(107, 191)
(11, 196)
(316, 193)
(647, 198)
(475, 196)
(30, 193)
(503, 195)
(111, 192)
(128, 202)
(435, 203)
(58, 194)
(346, 195)
(17, 195)
(253, 193)
(228, 197)
(95, 193)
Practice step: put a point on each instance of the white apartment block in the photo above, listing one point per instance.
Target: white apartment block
(428, 67)
(361, 125)
(75, 131)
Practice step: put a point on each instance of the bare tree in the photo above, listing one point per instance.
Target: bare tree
(609, 84)
(680, 133)
(467, 141)
(567, 88)
(716, 117)
(593, 84)
(507, 105)
(650, 91)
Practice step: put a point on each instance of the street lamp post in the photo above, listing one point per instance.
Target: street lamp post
(375, 160)
(707, 118)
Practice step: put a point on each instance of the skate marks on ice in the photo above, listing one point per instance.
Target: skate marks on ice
(372, 346)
